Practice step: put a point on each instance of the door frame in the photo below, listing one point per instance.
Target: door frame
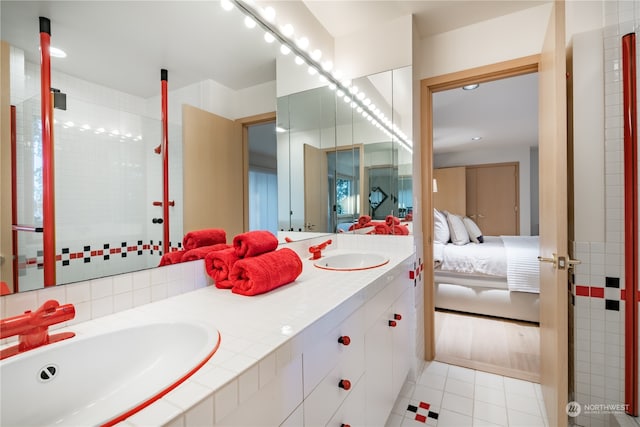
(246, 122)
(428, 87)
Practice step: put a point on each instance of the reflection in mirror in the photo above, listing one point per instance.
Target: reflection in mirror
(107, 172)
(343, 166)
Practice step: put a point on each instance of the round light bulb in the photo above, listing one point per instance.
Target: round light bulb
(287, 30)
(268, 37)
(249, 22)
(269, 14)
(303, 43)
(226, 5)
(284, 49)
(316, 54)
(299, 60)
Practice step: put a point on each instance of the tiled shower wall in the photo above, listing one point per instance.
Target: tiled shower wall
(599, 281)
(107, 176)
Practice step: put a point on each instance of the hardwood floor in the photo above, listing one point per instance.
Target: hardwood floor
(500, 346)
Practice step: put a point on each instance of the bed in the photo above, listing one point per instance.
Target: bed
(499, 277)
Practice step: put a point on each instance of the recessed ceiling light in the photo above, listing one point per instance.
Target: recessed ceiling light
(471, 87)
(56, 52)
(476, 138)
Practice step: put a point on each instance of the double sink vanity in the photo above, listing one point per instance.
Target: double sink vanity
(332, 348)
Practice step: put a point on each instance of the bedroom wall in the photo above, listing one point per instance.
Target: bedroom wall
(485, 156)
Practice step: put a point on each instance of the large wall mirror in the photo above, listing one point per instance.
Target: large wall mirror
(108, 175)
(342, 165)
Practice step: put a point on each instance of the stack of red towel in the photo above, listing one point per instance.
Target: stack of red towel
(391, 225)
(196, 245)
(253, 266)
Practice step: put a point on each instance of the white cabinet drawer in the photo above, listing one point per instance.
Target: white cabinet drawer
(325, 399)
(351, 412)
(327, 352)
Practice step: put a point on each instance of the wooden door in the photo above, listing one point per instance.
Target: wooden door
(492, 198)
(553, 219)
(451, 195)
(316, 189)
(213, 172)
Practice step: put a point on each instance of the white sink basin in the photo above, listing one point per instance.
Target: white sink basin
(95, 379)
(351, 261)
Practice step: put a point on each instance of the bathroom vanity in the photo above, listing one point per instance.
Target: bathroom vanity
(333, 348)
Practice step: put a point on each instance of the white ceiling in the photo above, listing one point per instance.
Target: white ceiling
(124, 44)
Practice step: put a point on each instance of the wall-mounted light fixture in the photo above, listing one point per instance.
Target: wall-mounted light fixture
(302, 54)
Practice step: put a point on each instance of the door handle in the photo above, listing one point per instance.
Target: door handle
(560, 262)
(553, 260)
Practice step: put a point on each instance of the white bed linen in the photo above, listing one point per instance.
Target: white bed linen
(523, 267)
(510, 257)
(476, 258)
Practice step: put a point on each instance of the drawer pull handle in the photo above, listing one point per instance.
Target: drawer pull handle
(397, 316)
(393, 323)
(344, 340)
(345, 384)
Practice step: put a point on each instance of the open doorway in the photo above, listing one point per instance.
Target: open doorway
(486, 282)
(262, 177)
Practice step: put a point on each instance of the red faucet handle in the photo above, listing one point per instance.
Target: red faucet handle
(393, 323)
(397, 316)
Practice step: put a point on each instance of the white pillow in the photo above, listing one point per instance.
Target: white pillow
(459, 234)
(440, 227)
(474, 231)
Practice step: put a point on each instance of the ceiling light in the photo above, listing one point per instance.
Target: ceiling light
(312, 70)
(316, 54)
(471, 86)
(226, 5)
(299, 60)
(56, 52)
(476, 138)
(327, 65)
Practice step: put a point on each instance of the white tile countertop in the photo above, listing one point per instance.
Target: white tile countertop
(262, 333)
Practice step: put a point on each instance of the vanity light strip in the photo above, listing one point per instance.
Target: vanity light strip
(273, 30)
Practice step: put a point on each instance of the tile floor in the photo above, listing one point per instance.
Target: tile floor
(451, 396)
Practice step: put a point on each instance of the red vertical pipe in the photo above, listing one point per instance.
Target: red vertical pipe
(48, 176)
(14, 197)
(630, 115)
(165, 163)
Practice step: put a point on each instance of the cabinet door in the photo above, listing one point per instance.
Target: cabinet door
(352, 411)
(378, 371)
(402, 348)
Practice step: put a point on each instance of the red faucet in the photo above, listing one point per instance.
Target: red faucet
(316, 250)
(32, 327)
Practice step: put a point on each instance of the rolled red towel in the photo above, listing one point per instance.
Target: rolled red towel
(399, 230)
(254, 243)
(207, 237)
(263, 273)
(202, 251)
(355, 226)
(391, 220)
(364, 219)
(381, 228)
(171, 258)
(218, 265)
